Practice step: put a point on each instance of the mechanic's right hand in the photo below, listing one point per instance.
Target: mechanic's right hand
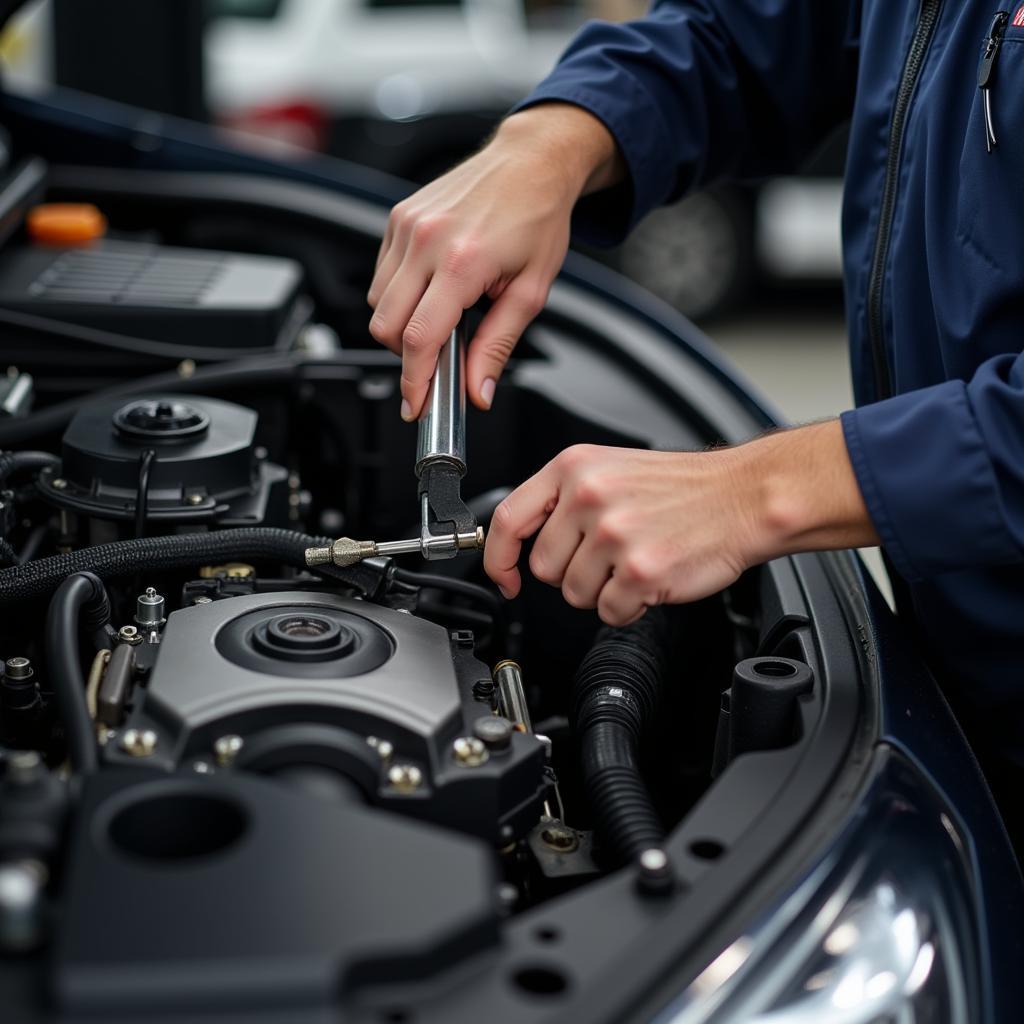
(496, 225)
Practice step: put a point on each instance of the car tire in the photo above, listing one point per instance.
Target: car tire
(697, 254)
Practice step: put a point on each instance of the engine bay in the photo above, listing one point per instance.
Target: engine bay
(235, 781)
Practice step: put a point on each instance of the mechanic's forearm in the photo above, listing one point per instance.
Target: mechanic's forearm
(569, 140)
(804, 494)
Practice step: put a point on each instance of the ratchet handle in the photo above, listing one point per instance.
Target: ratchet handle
(442, 426)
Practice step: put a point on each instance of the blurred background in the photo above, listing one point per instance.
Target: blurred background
(411, 86)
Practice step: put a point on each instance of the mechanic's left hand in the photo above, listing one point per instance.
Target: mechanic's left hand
(623, 529)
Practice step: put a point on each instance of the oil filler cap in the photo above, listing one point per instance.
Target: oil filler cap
(161, 419)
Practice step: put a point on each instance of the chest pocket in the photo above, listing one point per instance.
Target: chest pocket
(991, 188)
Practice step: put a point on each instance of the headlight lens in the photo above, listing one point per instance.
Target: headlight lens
(882, 931)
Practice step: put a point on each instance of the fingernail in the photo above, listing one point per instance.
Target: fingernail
(505, 593)
(487, 391)
(406, 410)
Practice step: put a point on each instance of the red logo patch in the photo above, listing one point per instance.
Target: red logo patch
(1018, 18)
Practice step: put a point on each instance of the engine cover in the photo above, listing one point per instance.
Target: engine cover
(371, 695)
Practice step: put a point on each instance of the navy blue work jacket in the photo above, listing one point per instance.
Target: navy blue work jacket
(933, 226)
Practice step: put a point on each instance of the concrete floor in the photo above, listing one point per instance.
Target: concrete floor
(793, 350)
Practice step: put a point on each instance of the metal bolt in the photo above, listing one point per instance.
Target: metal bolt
(469, 752)
(202, 767)
(203, 600)
(559, 837)
(139, 742)
(194, 499)
(385, 748)
(406, 778)
(227, 748)
(129, 635)
(18, 668)
(58, 483)
(655, 877)
(495, 733)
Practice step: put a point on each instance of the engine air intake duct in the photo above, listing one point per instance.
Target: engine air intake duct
(616, 695)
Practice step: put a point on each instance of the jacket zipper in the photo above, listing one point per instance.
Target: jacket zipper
(927, 16)
(987, 69)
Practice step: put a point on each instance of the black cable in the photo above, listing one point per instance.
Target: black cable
(80, 601)
(32, 543)
(82, 335)
(146, 460)
(474, 591)
(16, 462)
(244, 373)
(43, 576)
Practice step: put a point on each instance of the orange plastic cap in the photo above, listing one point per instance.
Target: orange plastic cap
(65, 223)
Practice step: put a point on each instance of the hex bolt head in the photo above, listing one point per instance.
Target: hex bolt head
(18, 668)
(559, 837)
(469, 752)
(227, 748)
(406, 778)
(194, 499)
(655, 876)
(59, 483)
(129, 635)
(139, 742)
(495, 733)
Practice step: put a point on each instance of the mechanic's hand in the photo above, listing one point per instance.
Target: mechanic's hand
(622, 530)
(496, 225)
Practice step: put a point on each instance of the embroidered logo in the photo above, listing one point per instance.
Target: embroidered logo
(1018, 18)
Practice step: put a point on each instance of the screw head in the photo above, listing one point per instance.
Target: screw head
(227, 748)
(495, 733)
(469, 752)
(129, 635)
(194, 499)
(406, 778)
(139, 742)
(58, 483)
(203, 600)
(655, 876)
(202, 767)
(559, 837)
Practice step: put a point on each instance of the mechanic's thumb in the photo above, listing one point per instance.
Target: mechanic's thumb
(495, 339)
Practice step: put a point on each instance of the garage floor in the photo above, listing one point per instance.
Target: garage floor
(793, 350)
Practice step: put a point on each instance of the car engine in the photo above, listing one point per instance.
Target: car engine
(231, 780)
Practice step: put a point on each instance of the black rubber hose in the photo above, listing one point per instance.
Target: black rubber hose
(616, 695)
(182, 551)
(15, 462)
(80, 601)
(452, 585)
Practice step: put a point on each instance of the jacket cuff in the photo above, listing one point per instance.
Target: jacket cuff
(605, 218)
(928, 483)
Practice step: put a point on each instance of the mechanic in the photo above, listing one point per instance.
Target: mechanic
(930, 464)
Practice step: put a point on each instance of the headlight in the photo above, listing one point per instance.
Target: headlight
(881, 932)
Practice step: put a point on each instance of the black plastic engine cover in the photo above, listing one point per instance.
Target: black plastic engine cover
(189, 894)
(205, 464)
(317, 680)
